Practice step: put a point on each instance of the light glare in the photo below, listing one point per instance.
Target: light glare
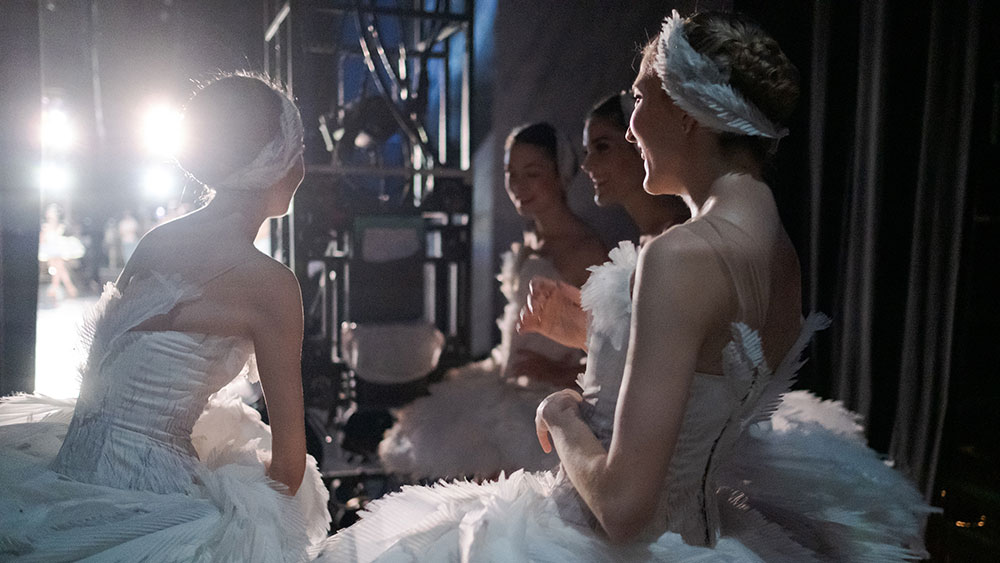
(159, 184)
(57, 132)
(54, 178)
(161, 130)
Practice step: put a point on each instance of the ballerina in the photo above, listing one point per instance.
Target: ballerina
(57, 248)
(647, 451)
(155, 460)
(477, 421)
(615, 168)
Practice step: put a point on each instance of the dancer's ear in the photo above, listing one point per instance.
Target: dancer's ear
(689, 123)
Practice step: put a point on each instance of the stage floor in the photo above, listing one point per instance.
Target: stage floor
(57, 345)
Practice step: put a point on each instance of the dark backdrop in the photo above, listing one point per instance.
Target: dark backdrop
(20, 106)
(890, 196)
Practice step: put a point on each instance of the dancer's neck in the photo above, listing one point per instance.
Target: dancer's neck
(554, 222)
(243, 213)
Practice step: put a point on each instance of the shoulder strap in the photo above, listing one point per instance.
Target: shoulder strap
(199, 283)
(742, 260)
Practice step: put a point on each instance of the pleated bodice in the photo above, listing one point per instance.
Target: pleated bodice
(143, 391)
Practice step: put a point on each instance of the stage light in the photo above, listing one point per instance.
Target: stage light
(159, 183)
(57, 132)
(54, 178)
(161, 130)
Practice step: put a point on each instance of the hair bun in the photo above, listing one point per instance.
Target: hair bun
(227, 122)
(758, 67)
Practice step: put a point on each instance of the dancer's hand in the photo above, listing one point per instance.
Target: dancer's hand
(553, 310)
(553, 411)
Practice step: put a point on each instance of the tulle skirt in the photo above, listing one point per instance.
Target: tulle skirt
(802, 487)
(231, 512)
(515, 518)
(473, 424)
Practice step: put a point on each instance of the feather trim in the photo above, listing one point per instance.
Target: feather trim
(702, 89)
(113, 315)
(607, 297)
(782, 380)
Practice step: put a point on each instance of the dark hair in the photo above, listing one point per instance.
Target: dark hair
(542, 135)
(610, 108)
(757, 68)
(227, 122)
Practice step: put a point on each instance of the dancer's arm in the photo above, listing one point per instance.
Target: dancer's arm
(277, 337)
(680, 294)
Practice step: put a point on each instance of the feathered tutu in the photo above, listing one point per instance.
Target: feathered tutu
(157, 460)
(479, 421)
(231, 512)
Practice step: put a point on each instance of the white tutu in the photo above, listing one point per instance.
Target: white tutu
(156, 460)
(809, 470)
(473, 425)
(479, 420)
(801, 488)
(233, 512)
(514, 518)
(757, 473)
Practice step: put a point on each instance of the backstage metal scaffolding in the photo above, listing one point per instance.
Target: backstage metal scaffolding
(384, 90)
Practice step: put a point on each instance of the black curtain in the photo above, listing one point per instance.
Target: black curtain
(874, 195)
(20, 109)
(937, 237)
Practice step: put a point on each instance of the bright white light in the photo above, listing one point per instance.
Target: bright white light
(54, 178)
(161, 130)
(57, 132)
(159, 183)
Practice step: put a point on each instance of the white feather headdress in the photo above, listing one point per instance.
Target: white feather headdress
(702, 89)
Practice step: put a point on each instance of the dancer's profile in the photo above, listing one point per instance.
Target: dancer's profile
(477, 422)
(616, 170)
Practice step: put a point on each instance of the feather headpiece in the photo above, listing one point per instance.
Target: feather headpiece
(701, 87)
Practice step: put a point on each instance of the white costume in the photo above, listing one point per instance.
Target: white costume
(156, 461)
(160, 462)
(479, 420)
(742, 485)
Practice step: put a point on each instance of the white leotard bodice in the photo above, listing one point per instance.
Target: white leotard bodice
(520, 265)
(143, 391)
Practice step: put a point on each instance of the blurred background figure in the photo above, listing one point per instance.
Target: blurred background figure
(112, 245)
(56, 250)
(128, 234)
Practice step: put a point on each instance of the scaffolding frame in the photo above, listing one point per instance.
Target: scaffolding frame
(310, 47)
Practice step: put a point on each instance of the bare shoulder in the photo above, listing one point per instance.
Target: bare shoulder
(681, 283)
(271, 279)
(272, 291)
(680, 249)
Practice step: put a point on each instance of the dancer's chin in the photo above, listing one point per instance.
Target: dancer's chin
(280, 212)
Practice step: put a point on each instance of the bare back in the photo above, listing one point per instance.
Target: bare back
(233, 275)
(760, 268)
(242, 293)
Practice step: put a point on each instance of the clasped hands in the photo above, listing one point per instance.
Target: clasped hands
(553, 310)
